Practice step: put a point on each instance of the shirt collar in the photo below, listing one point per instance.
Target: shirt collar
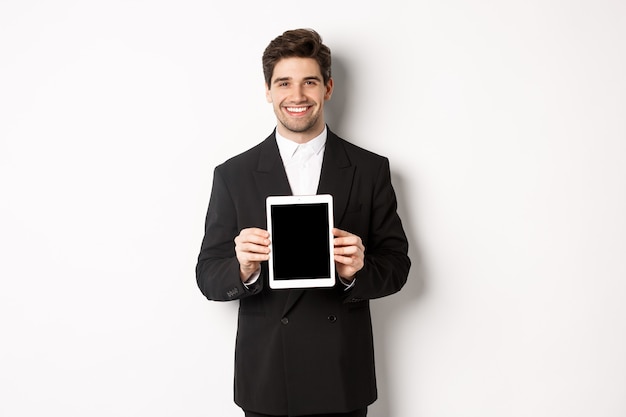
(287, 147)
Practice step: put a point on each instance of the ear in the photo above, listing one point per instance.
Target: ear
(268, 93)
(329, 89)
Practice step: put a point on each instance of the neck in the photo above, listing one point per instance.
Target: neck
(300, 137)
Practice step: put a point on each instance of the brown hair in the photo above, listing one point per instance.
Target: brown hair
(300, 43)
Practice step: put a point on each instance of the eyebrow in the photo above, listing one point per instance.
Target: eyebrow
(310, 77)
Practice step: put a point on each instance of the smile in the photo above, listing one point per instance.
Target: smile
(297, 110)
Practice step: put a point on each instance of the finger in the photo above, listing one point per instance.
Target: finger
(260, 232)
(260, 237)
(249, 247)
(349, 261)
(252, 240)
(348, 241)
(340, 233)
(248, 258)
(254, 231)
(346, 250)
(344, 260)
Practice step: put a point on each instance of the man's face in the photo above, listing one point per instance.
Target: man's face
(297, 93)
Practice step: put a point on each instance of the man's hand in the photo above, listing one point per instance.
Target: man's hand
(252, 248)
(349, 254)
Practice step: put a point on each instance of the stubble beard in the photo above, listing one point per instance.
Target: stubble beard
(299, 126)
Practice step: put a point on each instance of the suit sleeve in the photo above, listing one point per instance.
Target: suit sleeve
(217, 270)
(387, 263)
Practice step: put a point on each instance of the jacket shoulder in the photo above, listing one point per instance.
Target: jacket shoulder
(357, 154)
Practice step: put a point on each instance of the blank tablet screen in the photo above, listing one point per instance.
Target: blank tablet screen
(300, 241)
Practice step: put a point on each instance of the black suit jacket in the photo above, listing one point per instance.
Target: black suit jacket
(306, 351)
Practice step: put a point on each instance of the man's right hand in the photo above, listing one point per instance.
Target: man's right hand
(252, 248)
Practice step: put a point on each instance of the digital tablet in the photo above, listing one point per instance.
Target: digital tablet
(301, 248)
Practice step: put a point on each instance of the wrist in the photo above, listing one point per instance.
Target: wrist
(249, 275)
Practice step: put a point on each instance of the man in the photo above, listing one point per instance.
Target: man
(303, 351)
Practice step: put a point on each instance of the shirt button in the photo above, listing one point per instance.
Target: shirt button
(332, 318)
(284, 320)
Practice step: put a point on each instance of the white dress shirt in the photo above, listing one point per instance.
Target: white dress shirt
(303, 162)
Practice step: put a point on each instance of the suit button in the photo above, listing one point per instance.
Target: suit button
(332, 318)
(284, 320)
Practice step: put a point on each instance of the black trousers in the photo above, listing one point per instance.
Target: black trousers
(356, 413)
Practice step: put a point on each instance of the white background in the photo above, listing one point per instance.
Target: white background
(505, 125)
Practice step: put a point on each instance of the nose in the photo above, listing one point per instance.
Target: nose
(298, 94)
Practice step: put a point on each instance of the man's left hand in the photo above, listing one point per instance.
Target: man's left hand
(349, 254)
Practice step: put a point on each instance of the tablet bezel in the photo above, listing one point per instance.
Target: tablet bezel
(322, 282)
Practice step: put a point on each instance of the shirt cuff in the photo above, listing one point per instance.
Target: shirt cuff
(253, 278)
(347, 284)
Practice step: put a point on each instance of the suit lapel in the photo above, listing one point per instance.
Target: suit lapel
(335, 179)
(270, 175)
(271, 179)
(337, 175)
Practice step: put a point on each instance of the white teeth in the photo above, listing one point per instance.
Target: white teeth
(296, 109)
